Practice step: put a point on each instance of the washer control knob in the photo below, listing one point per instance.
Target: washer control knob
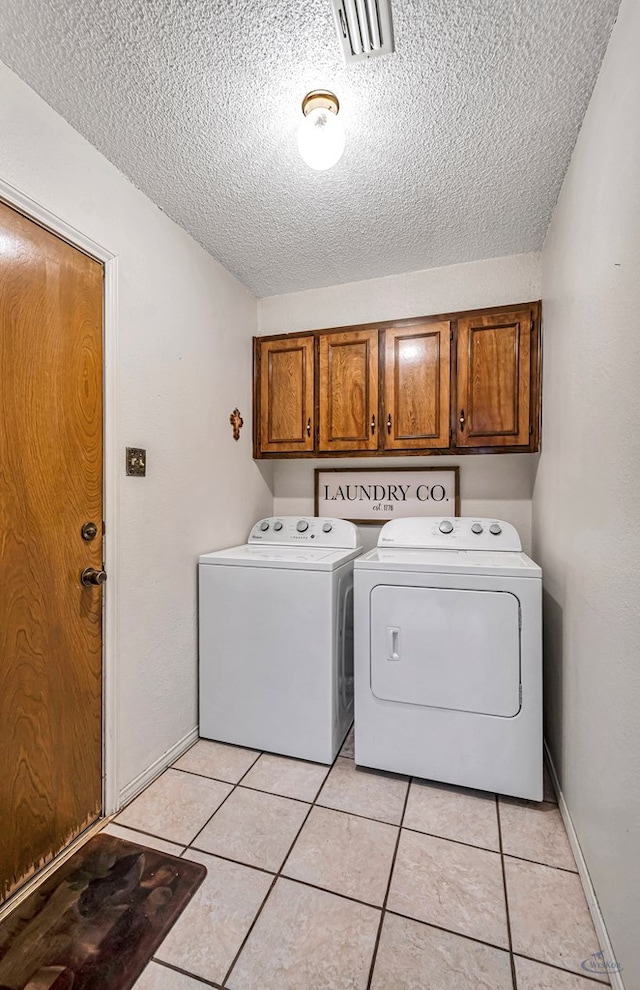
(327, 528)
(264, 525)
(446, 526)
(277, 526)
(495, 528)
(302, 525)
(476, 528)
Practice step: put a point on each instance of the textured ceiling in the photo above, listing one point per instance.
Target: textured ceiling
(456, 145)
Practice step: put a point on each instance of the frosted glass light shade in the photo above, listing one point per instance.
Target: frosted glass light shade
(321, 139)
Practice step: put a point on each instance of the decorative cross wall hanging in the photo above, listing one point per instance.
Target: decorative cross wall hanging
(237, 423)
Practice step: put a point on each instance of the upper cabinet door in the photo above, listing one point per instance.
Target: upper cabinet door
(348, 391)
(417, 373)
(494, 376)
(286, 395)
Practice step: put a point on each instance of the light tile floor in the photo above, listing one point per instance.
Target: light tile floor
(335, 878)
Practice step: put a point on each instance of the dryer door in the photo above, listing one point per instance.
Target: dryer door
(446, 648)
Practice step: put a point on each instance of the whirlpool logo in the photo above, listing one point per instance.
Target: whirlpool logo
(598, 964)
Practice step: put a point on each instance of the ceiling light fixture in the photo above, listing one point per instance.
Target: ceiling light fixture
(321, 137)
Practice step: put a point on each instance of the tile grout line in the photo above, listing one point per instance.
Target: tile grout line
(210, 776)
(186, 845)
(386, 896)
(288, 797)
(250, 928)
(149, 835)
(224, 800)
(237, 784)
(537, 862)
(512, 961)
(354, 814)
(357, 900)
(384, 910)
(222, 780)
(334, 893)
(191, 846)
(471, 845)
(399, 914)
(449, 931)
(314, 803)
(228, 859)
(340, 811)
(184, 972)
(282, 865)
(271, 887)
(561, 969)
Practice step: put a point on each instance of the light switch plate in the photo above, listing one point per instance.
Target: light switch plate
(136, 461)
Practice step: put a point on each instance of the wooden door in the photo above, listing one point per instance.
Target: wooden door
(348, 391)
(417, 374)
(286, 395)
(50, 486)
(494, 379)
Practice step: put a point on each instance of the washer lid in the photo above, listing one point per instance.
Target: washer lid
(285, 557)
(497, 564)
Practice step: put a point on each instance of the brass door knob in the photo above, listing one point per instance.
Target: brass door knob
(91, 576)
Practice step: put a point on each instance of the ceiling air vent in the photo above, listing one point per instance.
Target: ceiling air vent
(364, 28)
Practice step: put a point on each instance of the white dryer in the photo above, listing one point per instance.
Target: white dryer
(448, 655)
(276, 638)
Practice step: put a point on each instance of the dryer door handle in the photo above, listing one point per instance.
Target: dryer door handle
(393, 636)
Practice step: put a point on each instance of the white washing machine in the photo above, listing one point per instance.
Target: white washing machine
(276, 638)
(448, 655)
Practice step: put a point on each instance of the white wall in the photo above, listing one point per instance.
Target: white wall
(586, 526)
(494, 485)
(184, 362)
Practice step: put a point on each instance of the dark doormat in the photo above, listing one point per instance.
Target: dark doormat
(96, 922)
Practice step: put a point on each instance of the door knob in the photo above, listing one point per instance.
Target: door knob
(91, 576)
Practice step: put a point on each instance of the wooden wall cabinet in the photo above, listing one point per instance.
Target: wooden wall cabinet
(416, 393)
(348, 391)
(457, 383)
(494, 380)
(286, 414)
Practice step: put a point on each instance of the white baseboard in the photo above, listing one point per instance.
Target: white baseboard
(617, 982)
(133, 788)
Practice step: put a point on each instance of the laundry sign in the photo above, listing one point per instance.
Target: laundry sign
(362, 495)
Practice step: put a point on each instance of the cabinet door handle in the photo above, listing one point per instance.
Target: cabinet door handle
(389, 423)
(373, 425)
(462, 420)
(309, 427)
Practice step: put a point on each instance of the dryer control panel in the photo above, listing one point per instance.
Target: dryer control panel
(305, 531)
(450, 532)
